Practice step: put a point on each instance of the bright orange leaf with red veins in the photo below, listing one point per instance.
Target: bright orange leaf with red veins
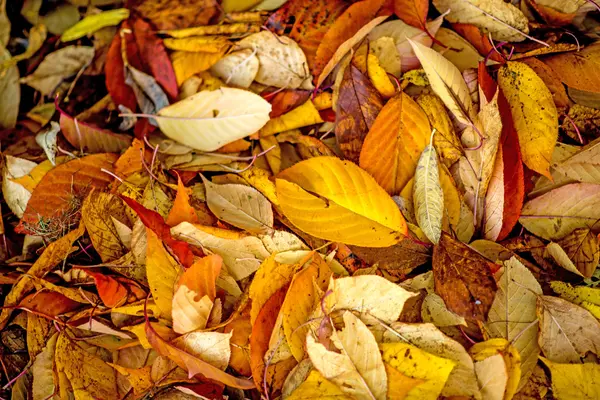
(272, 381)
(154, 221)
(413, 12)
(62, 189)
(307, 22)
(115, 291)
(182, 211)
(350, 22)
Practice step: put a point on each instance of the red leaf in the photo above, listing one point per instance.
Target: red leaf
(119, 91)
(285, 100)
(209, 390)
(116, 291)
(327, 115)
(306, 21)
(413, 12)
(154, 57)
(154, 221)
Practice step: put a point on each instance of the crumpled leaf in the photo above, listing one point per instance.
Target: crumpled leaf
(463, 278)
(527, 95)
(94, 22)
(512, 315)
(428, 196)
(358, 371)
(395, 141)
(567, 331)
(477, 12)
(211, 119)
(379, 221)
(240, 205)
(58, 66)
(281, 61)
(571, 381)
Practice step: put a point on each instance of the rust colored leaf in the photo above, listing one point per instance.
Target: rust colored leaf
(552, 16)
(478, 39)
(117, 290)
(154, 221)
(49, 303)
(307, 22)
(91, 139)
(114, 69)
(285, 101)
(63, 188)
(358, 105)
(463, 278)
(240, 340)
(131, 160)
(413, 12)
(578, 70)
(176, 14)
(345, 26)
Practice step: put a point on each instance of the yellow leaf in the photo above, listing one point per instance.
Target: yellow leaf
(96, 213)
(90, 377)
(207, 44)
(534, 114)
(162, 271)
(574, 381)
(503, 377)
(352, 207)
(395, 142)
(323, 101)
(211, 119)
(259, 180)
(93, 23)
(301, 116)
(140, 379)
(300, 301)
(399, 385)
(358, 370)
(190, 314)
(416, 363)
(187, 63)
(379, 77)
(38, 329)
(513, 313)
(428, 196)
(181, 211)
(445, 141)
(492, 376)
(578, 294)
(56, 252)
(273, 156)
(139, 331)
(224, 29)
(211, 347)
(446, 81)
(456, 49)
(317, 387)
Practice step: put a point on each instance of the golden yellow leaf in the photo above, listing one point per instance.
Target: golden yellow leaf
(395, 142)
(445, 140)
(42, 370)
(416, 363)
(300, 301)
(534, 114)
(317, 387)
(273, 156)
(574, 381)
(162, 271)
(379, 77)
(301, 116)
(586, 297)
(206, 44)
(488, 369)
(38, 329)
(89, 376)
(399, 385)
(352, 207)
(140, 379)
(187, 63)
(139, 331)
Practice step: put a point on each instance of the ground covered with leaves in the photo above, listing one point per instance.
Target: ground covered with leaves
(302, 199)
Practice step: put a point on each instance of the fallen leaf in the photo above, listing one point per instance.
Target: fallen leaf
(577, 70)
(428, 196)
(209, 44)
(211, 347)
(413, 12)
(557, 213)
(16, 195)
(552, 81)
(209, 119)
(58, 66)
(304, 115)
(93, 23)
(115, 291)
(167, 14)
(570, 381)
(240, 205)
(186, 64)
(582, 247)
(358, 105)
(528, 95)
(418, 364)
(316, 386)
(503, 20)
(463, 278)
(395, 142)
(358, 371)
(567, 331)
(513, 316)
(561, 258)
(369, 205)
(492, 375)
(44, 383)
(11, 89)
(459, 51)
(162, 271)
(37, 36)
(238, 68)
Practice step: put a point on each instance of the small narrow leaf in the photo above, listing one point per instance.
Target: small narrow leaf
(428, 195)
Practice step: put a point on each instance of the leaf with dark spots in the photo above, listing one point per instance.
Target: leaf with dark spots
(358, 105)
(463, 278)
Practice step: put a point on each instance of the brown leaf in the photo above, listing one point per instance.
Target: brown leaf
(413, 12)
(463, 278)
(358, 105)
(169, 14)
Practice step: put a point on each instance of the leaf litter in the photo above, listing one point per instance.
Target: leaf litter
(300, 199)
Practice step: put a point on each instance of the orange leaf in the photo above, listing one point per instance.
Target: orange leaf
(191, 364)
(347, 24)
(63, 187)
(233, 147)
(413, 12)
(478, 39)
(272, 381)
(201, 277)
(115, 291)
(240, 339)
(395, 142)
(182, 211)
(578, 70)
(358, 105)
(131, 161)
